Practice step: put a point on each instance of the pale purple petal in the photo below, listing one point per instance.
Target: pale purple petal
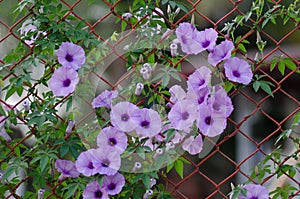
(114, 184)
(149, 122)
(121, 116)
(220, 102)
(177, 93)
(200, 97)
(3, 132)
(207, 38)
(186, 34)
(67, 168)
(182, 115)
(255, 192)
(104, 99)
(106, 161)
(193, 145)
(84, 163)
(209, 122)
(70, 55)
(199, 79)
(63, 81)
(94, 191)
(238, 70)
(111, 137)
(221, 52)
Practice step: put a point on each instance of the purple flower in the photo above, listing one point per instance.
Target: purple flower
(221, 52)
(84, 163)
(121, 116)
(104, 99)
(220, 102)
(67, 169)
(187, 34)
(70, 55)
(114, 184)
(3, 132)
(210, 122)
(182, 115)
(238, 70)
(94, 191)
(177, 93)
(200, 97)
(193, 145)
(207, 38)
(29, 28)
(63, 81)
(199, 79)
(255, 192)
(106, 161)
(113, 139)
(149, 122)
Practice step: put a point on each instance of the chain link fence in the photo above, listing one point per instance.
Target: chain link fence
(257, 121)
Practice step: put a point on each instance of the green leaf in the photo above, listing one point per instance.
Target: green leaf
(179, 168)
(266, 87)
(165, 80)
(43, 162)
(71, 190)
(281, 67)
(256, 86)
(64, 149)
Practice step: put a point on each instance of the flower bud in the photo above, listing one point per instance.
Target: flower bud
(70, 126)
(137, 166)
(152, 182)
(170, 145)
(126, 15)
(173, 48)
(145, 73)
(158, 153)
(41, 193)
(148, 194)
(26, 105)
(138, 89)
(147, 66)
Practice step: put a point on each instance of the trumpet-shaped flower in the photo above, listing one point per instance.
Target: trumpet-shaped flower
(238, 70)
(221, 52)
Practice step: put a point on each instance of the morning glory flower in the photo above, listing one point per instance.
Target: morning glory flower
(182, 115)
(255, 191)
(221, 52)
(207, 38)
(238, 70)
(94, 191)
(106, 161)
(84, 163)
(200, 97)
(187, 34)
(209, 122)
(193, 145)
(148, 122)
(220, 102)
(199, 79)
(114, 184)
(27, 28)
(104, 99)
(67, 169)
(121, 116)
(177, 93)
(113, 139)
(70, 55)
(63, 81)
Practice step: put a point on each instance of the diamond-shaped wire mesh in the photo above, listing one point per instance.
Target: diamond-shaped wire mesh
(258, 118)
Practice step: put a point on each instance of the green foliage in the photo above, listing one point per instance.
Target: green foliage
(264, 85)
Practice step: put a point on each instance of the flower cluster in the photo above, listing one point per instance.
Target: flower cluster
(64, 79)
(193, 42)
(251, 191)
(200, 110)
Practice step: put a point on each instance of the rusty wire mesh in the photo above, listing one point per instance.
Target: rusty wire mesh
(209, 177)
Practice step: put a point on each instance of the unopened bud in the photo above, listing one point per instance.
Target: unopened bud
(147, 66)
(26, 105)
(126, 15)
(173, 48)
(177, 11)
(145, 73)
(41, 193)
(138, 89)
(70, 126)
(170, 145)
(158, 153)
(148, 194)
(137, 166)
(169, 9)
(152, 182)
